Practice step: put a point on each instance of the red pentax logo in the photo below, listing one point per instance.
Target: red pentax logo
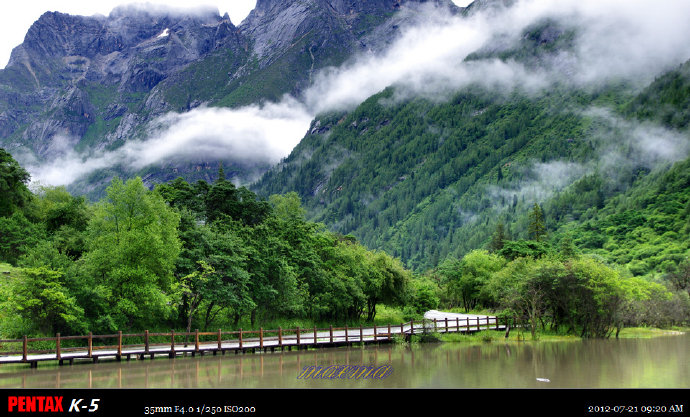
(22, 404)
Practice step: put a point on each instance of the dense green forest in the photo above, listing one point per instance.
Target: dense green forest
(198, 255)
(179, 256)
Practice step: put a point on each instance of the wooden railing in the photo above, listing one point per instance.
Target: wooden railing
(150, 343)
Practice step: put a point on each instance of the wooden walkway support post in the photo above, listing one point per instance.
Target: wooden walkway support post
(119, 344)
(446, 324)
(220, 340)
(347, 340)
(314, 335)
(261, 337)
(240, 338)
(172, 342)
(58, 355)
(196, 340)
(435, 325)
(330, 332)
(361, 334)
(146, 342)
(280, 336)
(90, 345)
(478, 323)
(375, 338)
(25, 349)
(467, 322)
(298, 340)
(457, 324)
(411, 327)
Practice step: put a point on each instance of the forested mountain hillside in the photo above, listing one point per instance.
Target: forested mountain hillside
(424, 180)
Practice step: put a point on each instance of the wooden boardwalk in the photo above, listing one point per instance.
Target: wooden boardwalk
(173, 344)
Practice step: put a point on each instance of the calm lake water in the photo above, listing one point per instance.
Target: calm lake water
(662, 362)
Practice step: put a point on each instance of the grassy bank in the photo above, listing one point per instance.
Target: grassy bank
(490, 336)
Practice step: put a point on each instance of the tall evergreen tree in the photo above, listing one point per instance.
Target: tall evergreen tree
(537, 227)
(499, 238)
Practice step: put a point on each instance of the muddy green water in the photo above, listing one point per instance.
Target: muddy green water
(662, 362)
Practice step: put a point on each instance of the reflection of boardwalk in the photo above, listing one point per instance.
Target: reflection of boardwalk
(171, 344)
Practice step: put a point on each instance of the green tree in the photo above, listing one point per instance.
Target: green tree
(17, 235)
(523, 248)
(387, 282)
(41, 298)
(193, 287)
(132, 248)
(600, 296)
(537, 228)
(521, 290)
(465, 279)
(680, 277)
(13, 180)
(498, 239)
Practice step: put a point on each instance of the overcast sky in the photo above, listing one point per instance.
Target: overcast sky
(16, 18)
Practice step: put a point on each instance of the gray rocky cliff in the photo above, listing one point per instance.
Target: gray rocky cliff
(91, 83)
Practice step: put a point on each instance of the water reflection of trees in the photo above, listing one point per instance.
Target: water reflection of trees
(660, 362)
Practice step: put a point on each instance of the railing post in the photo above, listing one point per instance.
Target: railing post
(220, 340)
(435, 325)
(389, 331)
(457, 324)
(90, 344)
(25, 349)
(172, 341)
(196, 340)
(446, 324)
(375, 338)
(467, 323)
(347, 339)
(314, 335)
(240, 338)
(402, 330)
(330, 332)
(411, 327)
(496, 320)
(477, 323)
(298, 340)
(280, 336)
(261, 337)
(361, 334)
(146, 341)
(58, 355)
(119, 344)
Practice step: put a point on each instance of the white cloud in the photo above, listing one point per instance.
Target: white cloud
(262, 134)
(542, 180)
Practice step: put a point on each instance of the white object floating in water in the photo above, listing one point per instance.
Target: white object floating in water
(165, 33)
(543, 380)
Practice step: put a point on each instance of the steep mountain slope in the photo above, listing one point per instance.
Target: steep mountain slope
(422, 179)
(74, 73)
(90, 84)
